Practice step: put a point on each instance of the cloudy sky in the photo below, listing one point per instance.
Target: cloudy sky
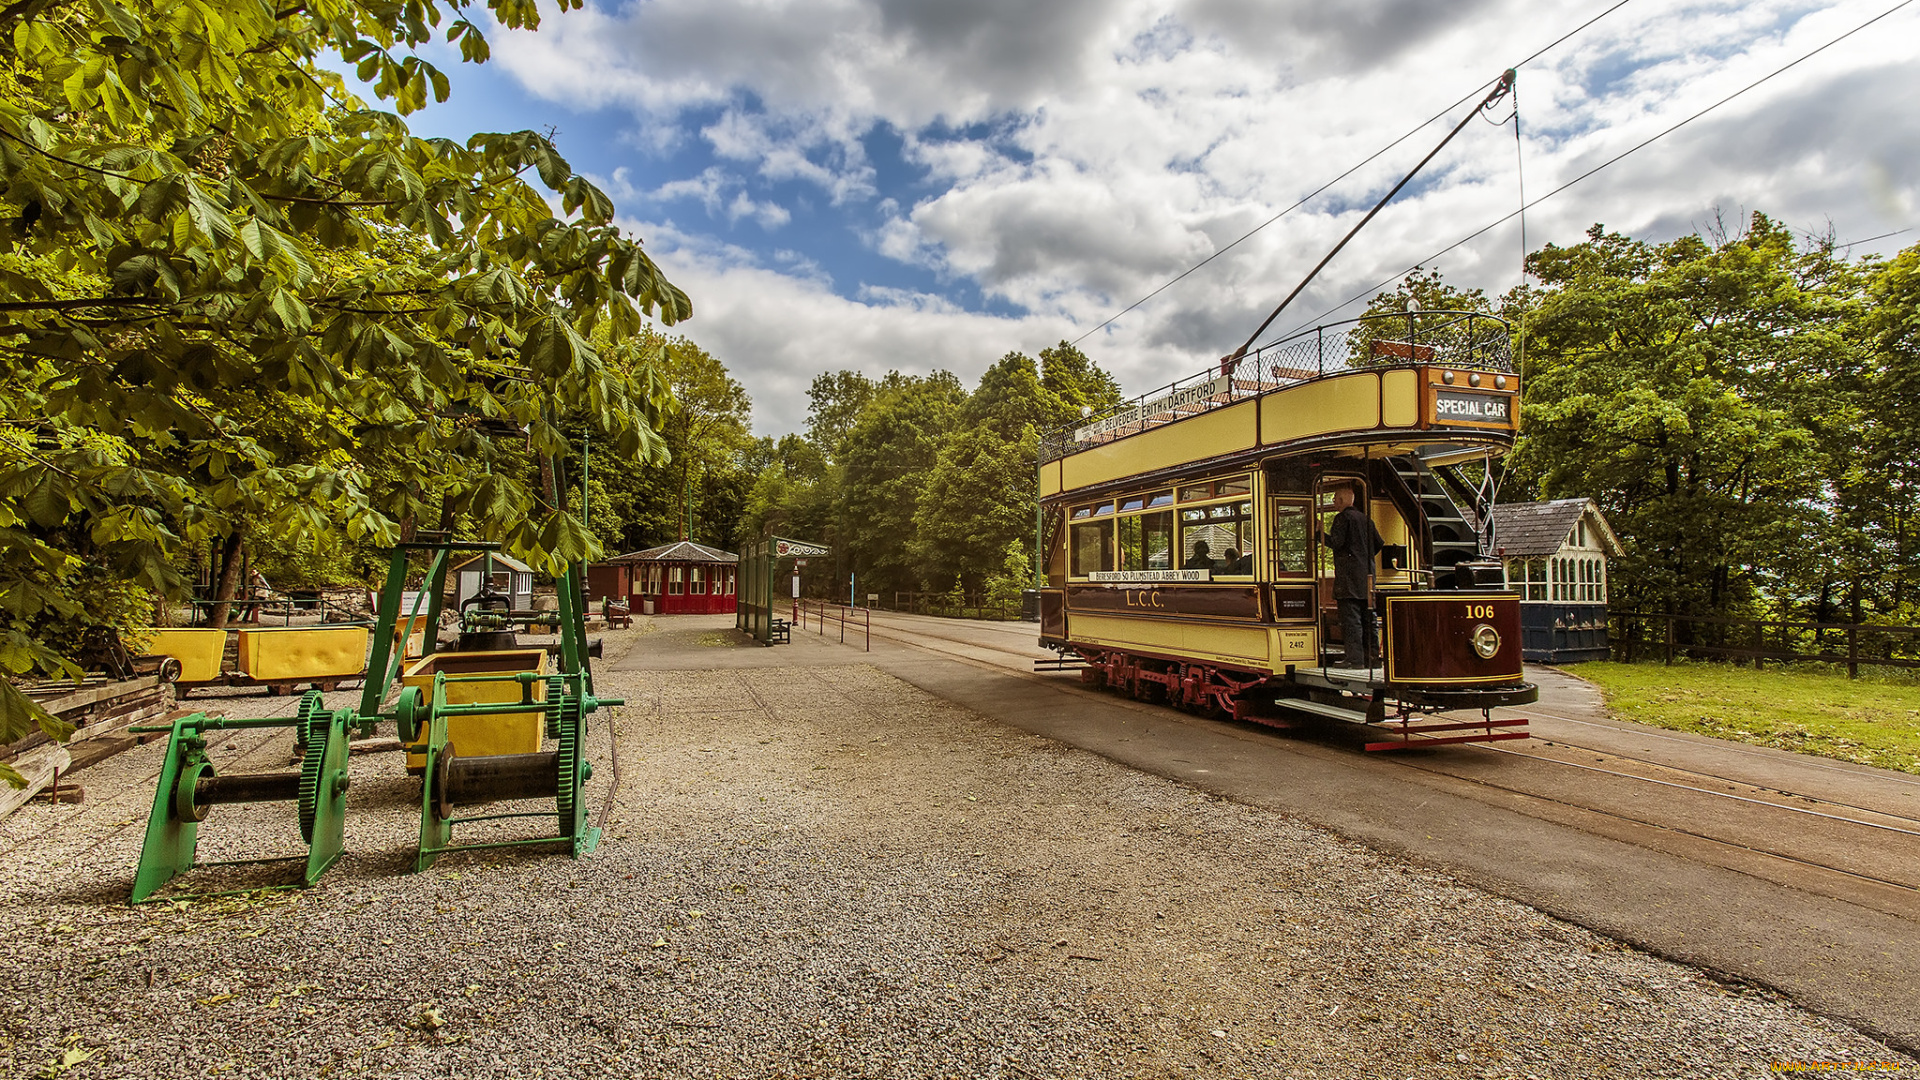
(921, 184)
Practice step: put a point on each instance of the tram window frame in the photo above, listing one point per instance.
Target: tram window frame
(1240, 519)
(1302, 565)
(1102, 532)
(1136, 535)
(1237, 486)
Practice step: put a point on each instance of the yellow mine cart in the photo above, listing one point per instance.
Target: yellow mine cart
(304, 654)
(199, 651)
(414, 630)
(482, 734)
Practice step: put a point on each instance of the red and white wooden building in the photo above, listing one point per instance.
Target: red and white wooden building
(682, 578)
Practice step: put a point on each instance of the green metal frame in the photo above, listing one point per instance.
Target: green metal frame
(173, 832)
(569, 710)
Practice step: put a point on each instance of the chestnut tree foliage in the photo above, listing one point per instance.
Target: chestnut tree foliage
(238, 300)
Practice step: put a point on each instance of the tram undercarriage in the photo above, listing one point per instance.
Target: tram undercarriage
(1407, 715)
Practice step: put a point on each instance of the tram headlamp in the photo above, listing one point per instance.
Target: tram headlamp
(1486, 641)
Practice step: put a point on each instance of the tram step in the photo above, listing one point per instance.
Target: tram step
(1357, 716)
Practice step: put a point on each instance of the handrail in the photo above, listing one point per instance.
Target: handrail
(1468, 340)
(841, 613)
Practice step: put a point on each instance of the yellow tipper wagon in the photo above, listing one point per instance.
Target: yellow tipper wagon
(1187, 556)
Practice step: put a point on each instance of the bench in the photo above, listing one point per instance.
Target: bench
(617, 614)
(779, 632)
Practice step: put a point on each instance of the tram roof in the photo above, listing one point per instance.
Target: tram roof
(1465, 341)
(1421, 380)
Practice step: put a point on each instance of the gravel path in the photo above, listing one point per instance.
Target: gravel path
(825, 872)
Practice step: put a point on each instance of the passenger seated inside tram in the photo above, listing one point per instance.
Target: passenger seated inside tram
(1202, 558)
(1237, 563)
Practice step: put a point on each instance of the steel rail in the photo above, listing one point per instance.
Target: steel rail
(1730, 747)
(1435, 771)
(1662, 825)
(1649, 762)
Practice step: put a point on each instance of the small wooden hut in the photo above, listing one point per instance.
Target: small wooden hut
(510, 577)
(682, 578)
(1556, 557)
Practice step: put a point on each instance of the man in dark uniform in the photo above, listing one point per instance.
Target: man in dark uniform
(1355, 543)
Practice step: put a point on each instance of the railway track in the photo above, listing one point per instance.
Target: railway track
(1864, 849)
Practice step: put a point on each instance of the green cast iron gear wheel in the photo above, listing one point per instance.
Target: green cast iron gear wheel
(566, 800)
(409, 715)
(310, 703)
(317, 723)
(556, 692)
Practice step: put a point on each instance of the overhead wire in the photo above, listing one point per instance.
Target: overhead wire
(1643, 144)
(1368, 160)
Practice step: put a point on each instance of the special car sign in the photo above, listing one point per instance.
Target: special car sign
(1454, 407)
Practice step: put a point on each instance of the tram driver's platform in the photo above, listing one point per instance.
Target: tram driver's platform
(1371, 701)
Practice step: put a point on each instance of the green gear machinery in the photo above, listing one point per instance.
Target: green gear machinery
(315, 731)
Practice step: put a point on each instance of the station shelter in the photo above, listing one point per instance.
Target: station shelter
(763, 582)
(1555, 554)
(682, 578)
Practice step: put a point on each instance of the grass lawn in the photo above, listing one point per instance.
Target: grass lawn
(1872, 722)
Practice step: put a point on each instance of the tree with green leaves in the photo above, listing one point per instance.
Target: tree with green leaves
(835, 400)
(979, 495)
(236, 299)
(1698, 389)
(704, 433)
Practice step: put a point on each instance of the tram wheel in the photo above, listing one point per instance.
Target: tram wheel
(1151, 691)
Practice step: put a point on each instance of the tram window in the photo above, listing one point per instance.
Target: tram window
(1196, 492)
(1239, 485)
(1135, 503)
(1160, 498)
(1103, 508)
(1092, 548)
(1222, 528)
(1290, 551)
(1289, 477)
(1146, 541)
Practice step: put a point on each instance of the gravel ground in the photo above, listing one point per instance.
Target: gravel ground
(826, 872)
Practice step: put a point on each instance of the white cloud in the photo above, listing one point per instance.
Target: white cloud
(1075, 155)
(709, 189)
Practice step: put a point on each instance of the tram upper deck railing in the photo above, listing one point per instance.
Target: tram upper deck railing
(1467, 340)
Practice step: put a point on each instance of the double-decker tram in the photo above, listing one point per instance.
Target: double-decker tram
(1185, 533)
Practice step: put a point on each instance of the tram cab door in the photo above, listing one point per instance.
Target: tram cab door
(1323, 513)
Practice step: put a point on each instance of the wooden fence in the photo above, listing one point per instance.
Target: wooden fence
(1636, 635)
(975, 606)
